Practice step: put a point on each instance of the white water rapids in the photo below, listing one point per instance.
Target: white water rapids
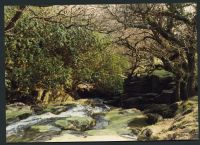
(78, 110)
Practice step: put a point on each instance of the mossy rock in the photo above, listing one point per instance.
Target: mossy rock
(161, 74)
(58, 109)
(15, 113)
(76, 123)
(122, 121)
(101, 132)
(45, 128)
(110, 131)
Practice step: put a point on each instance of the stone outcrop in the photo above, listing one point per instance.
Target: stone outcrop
(183, 126)
(158, 88)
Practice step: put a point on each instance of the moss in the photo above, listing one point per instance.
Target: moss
(76, 123)
(119, 118)
(55, 109)
(45, 128)
(101, 132)
(121, 122)
(187, 105)
(17, 112)
(162, 73)
(31, 135)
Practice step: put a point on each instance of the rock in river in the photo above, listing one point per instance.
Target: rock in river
(76, 123)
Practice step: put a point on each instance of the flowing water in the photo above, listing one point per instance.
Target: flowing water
(20, 131)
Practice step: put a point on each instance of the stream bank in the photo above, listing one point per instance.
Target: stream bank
(137, 114)
(96, 121)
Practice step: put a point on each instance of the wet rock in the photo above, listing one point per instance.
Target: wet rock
(145, 134)
(131, 102)
(17, 111)
(165, 110)
(76, 123)
(100, 121)
(75, 111)
(153, 118)
(37, 109)
(122, 121)
(55, 109)
(45, 128)
(136, 130)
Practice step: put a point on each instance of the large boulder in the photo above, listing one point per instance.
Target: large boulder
(76, 123)
(166, 111)
(166, 97)
(58, 97)
(141, 86)
(131, 102)
(139, 100)
(161, 79)
(157, 87)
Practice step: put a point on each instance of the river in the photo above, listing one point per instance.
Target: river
(111, 124)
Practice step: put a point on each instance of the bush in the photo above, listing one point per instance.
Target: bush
(48, 55)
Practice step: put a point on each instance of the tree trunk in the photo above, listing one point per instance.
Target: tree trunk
(14, 19)
(191, 72)
(191, 85)
(183, 91)
(178, 90)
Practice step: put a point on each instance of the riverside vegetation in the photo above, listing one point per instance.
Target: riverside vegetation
(101, 72)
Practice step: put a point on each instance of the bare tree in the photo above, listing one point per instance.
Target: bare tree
(171, 36)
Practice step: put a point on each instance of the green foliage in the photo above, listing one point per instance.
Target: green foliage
(103, 68)
(29, 63)
(44, 54)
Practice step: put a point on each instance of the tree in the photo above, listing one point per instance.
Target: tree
(35, 58)
(169, 34)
